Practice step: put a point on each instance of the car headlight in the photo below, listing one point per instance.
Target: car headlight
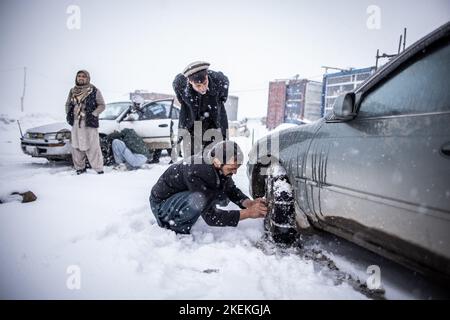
(50, 136)
(63, 135)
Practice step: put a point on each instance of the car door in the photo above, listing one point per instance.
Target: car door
(109, 119)
(153, 124)
(175, 116)
(384, 177)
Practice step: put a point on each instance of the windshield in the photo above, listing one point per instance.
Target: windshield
(113, 110)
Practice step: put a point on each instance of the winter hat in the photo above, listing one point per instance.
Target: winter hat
(226, 150)
(195, 67)
(86, 73)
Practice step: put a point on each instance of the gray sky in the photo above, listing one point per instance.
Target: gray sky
(128, 45)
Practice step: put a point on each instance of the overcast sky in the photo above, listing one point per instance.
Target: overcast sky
(128, 45)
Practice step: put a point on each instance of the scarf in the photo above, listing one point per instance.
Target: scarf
(79, 95)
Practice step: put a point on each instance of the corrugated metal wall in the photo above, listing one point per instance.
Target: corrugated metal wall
(313, 95)
(295, 101)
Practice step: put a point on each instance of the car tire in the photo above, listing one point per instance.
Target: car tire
(106, 148)
(279, 222)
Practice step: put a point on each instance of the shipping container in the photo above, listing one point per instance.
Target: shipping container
(293, 101)
(276, 103)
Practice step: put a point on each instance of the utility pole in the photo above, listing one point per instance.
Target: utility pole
(404, 38)
(399, 45)
(24, 86)
(385, 55)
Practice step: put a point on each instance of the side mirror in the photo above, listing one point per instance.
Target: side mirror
(343, 106)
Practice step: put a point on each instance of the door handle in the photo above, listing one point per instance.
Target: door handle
(445, 149)
(164, 125)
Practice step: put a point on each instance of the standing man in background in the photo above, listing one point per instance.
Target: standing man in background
(202, 94)
(83, 106)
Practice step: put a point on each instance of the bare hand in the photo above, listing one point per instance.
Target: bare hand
(248, 203)
(257, 210)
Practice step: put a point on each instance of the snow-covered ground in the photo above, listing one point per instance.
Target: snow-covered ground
(101, 226)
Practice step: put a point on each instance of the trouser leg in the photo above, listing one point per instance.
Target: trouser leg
(95, 156)
(118, 148)
(79, 159)
(192, 146)
(156, 155)
(122, 153)
(180, 211)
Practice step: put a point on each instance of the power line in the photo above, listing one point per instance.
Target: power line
(11, 69)
(248, 90)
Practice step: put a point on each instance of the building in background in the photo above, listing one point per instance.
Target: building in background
(293, 101)
(335, 84)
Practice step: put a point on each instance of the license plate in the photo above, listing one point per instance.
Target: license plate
(32, 150)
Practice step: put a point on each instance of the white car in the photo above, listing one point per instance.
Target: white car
(155, 121)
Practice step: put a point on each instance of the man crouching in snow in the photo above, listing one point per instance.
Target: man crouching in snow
(189, 189)
(129, 150)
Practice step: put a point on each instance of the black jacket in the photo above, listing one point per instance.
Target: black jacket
(204, 178)
(90, 106)
(208, 108)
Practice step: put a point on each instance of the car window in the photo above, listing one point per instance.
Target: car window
(421, 87)
(155, 110)
(113, 110)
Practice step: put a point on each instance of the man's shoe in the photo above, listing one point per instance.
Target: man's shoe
(153, 161)
(100, 172)
(80, 171)
(120, 167)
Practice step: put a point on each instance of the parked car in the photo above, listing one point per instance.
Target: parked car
(376, 171)
(238, 129)
(156, 122)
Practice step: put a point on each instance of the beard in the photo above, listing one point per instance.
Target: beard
(226, 175)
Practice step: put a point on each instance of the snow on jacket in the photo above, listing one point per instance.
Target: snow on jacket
(204, 178)
(208, 108)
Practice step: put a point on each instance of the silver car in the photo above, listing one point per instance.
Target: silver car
(377, 170)
(50, 141)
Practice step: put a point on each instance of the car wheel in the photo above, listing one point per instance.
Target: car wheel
(106, 148)
(279, 222)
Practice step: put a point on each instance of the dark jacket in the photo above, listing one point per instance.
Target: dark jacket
(208, 108)
(90, 106)
(204, 178)
(133, 142)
